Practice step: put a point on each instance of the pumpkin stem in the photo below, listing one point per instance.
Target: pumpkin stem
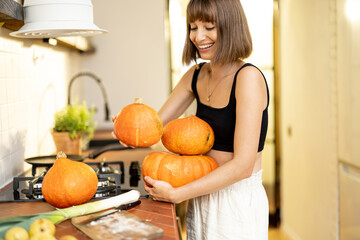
(61, 155)
(138, 100)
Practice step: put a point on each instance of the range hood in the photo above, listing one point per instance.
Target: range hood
(58, 18)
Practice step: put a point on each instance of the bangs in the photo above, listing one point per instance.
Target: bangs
(200, 10)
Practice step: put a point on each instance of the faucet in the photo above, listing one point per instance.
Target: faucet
(97, 79)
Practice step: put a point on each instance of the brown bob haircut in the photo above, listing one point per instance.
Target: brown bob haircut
(233, 35)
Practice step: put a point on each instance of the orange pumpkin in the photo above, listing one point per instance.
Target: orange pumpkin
(188, 136)
(69, 183)
(175, 169)
(138, 125)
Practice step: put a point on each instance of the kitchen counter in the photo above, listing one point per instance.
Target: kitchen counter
(160, 214)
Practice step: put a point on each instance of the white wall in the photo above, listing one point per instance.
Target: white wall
(33, 81)
(132, 59)
(309, 133)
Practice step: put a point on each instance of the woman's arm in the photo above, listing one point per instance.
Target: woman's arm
(251, 100)
(180, 98)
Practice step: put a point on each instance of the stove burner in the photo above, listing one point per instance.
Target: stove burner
(105, 191)
(101, 195)
(37, 194)
(103, 182)
(37, 186)
(104, 167)
(105, 186)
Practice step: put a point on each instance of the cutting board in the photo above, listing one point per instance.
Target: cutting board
(118, 225)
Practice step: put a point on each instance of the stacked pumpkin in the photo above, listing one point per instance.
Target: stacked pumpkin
(187, 139)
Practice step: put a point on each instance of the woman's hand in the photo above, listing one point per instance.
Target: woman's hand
(114, 136)
(160, 190)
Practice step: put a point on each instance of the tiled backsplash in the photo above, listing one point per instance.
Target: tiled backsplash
(33, 84)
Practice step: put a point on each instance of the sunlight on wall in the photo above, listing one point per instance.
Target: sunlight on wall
(353, 10)
(177, 13)
(259, 14)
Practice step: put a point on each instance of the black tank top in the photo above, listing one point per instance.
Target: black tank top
(222, 120)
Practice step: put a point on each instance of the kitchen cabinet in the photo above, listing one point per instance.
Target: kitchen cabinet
(11, 13)
(349, 202)
(11, 10)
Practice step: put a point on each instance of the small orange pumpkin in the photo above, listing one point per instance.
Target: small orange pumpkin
(138, 125)
(69, 183)
(175, 169)
(188, 136)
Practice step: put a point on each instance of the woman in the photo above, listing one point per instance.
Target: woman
(232, 96)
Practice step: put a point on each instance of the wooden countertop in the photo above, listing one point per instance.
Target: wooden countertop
(160, 214)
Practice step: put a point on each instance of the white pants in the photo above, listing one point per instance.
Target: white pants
(240, 211)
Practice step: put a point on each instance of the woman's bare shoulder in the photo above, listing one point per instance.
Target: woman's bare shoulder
(250, 71)
(250, 84)
(188, 75)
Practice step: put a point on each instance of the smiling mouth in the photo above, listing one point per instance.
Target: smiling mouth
(203, 47)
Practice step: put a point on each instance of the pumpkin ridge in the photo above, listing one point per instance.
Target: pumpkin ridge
(201, 171)
(138, 125)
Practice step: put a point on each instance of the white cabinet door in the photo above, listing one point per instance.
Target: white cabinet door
(348, 51)
(349, 202)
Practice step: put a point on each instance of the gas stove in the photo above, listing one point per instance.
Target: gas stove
(114, 178)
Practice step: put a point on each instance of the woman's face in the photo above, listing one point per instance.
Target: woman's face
(204, 35)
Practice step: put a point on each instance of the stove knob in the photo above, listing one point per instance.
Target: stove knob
(134, 168)
(134, 181)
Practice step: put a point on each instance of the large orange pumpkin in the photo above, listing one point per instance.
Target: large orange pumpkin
(69, 183)
(175, 169)
(188, 136)
(138, 125)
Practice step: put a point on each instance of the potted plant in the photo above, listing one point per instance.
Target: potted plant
(73, 125)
